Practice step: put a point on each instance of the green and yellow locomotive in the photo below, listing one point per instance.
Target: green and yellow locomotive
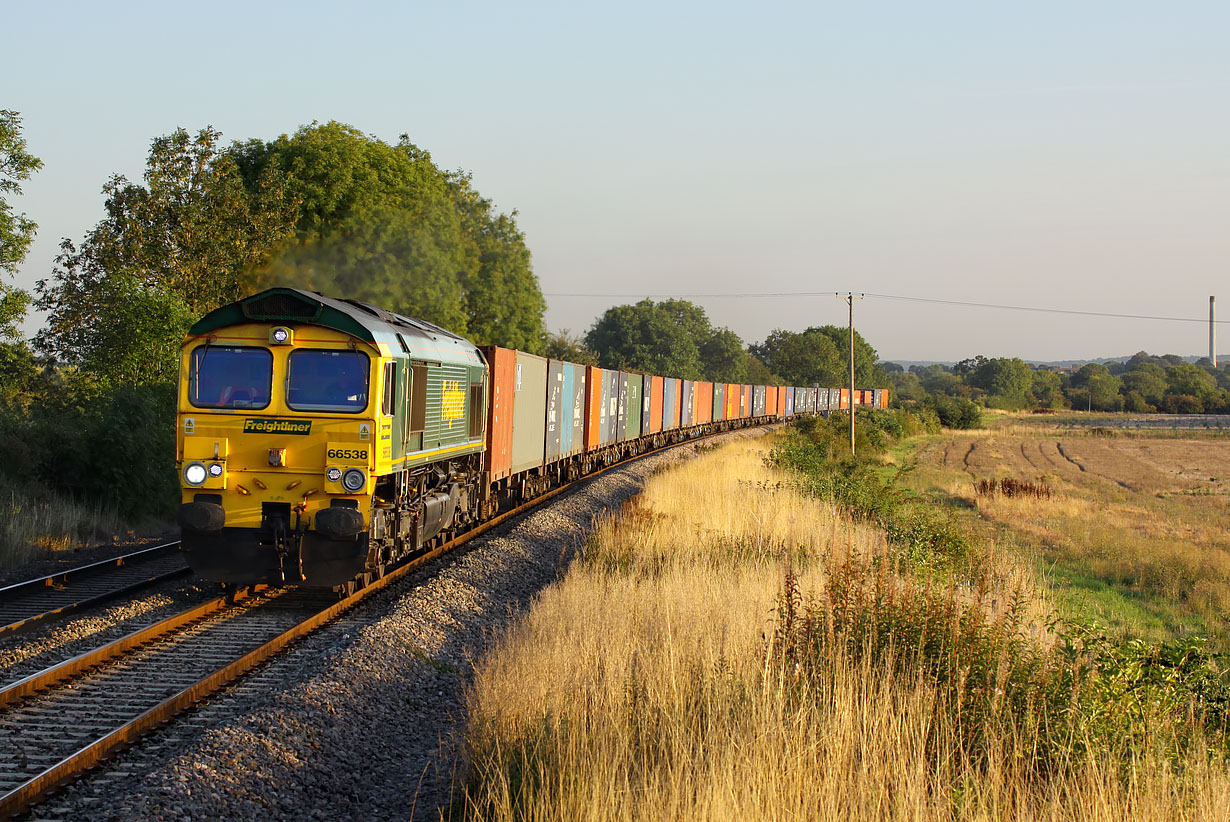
(321, 439)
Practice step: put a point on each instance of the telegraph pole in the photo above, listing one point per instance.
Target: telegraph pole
(850, 298)
(1213, 331)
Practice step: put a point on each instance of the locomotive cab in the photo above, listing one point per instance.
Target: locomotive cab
(308, 438)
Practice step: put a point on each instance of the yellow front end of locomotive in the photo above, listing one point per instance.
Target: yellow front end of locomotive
(278, 453)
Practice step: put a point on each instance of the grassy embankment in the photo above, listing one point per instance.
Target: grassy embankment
(1133, 535)
(34, 525)
(795, 638)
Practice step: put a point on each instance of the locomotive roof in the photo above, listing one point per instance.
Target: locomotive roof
(294, 306)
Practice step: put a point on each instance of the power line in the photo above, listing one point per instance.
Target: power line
(935, 301)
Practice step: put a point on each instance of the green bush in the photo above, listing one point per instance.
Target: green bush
(955, 412)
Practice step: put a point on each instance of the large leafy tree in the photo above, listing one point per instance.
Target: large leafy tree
(820, 354)
(382, 223)
(16, 230)
(802, 358)
(1006, 379)
(643, 337)
(673, 338)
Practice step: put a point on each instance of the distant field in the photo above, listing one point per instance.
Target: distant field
(1178, 422)
(1134, 534)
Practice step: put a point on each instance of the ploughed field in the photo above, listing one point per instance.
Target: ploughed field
(1133, 534)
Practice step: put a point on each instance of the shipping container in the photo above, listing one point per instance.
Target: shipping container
(646, 403)
(609, 415)
(719, 401)
(703, 412)
(687, 388)
(844, 402)
(501, 363)
(732, 401)
(770, 401)
(657, 404)
(565, 410)
(529, 412)
(883, 398)
(632, 406)
(593, 407)
(790, 398)
(761, 400)
(670, 403)
(621, 406)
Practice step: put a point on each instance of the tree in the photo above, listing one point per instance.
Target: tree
(16, 230)
(1189, 380)
(722, 358)
(757, 373)
(1095, 388)
(805, 358)
(673, 338)
(1046, 389)
(1146, 379)
(906, 385)
(16, 164)
(643, 337)
(1007, 380)
(564, 345)
(383, 224)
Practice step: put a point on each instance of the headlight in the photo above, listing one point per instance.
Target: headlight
(194, 473)
(333, 474)
(353, 480)
(215, 470)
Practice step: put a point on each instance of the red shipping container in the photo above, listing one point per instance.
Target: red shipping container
(593, 406)
(502, 364)
(845, 399)
(781, 401)
(770, 401)
(655, 405)
(884, 398)
(702, 408)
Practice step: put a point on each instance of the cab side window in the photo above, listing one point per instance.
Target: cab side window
(388, 401)
(418, 399)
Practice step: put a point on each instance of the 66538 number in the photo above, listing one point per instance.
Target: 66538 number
(345, 454)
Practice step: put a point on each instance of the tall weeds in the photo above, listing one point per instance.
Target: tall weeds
(733, 647)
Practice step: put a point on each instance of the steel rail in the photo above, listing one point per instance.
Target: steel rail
(25, 795)
(11, 594)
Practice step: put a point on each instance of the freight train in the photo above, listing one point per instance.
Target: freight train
(320, 441)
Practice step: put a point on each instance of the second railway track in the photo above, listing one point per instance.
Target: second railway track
(24, 605)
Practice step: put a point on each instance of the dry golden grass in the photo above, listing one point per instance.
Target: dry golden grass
(643, 685)
(34, 527)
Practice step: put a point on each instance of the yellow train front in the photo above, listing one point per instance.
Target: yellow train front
(320, 439)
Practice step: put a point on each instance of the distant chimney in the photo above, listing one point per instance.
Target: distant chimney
(1213, 331)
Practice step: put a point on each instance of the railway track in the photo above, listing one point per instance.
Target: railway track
(26, 604)
(58, 723)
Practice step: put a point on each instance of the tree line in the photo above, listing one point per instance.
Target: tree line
(1139, 384)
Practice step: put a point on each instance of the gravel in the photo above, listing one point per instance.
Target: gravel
(361, 719)
(42, 646)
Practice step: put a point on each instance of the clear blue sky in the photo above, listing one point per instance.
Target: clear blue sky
(1058, 154)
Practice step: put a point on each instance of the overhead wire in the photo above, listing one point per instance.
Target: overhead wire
(932, 300)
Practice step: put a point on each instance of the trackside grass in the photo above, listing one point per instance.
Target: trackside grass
(35, 524)
(748, 640)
